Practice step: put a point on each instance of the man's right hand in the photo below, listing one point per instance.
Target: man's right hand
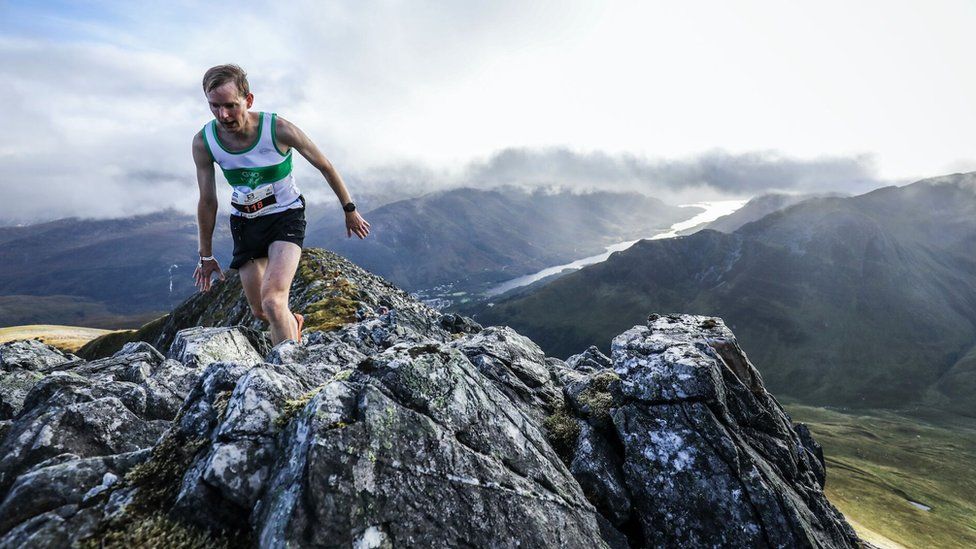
(203, 275)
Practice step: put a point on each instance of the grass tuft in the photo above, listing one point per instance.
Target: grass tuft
(562, 430)
(597, 397)
(156, 531)
(294, 406)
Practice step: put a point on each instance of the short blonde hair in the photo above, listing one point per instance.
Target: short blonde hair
(222, 74)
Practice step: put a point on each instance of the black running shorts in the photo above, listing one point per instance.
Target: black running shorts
(252, 237)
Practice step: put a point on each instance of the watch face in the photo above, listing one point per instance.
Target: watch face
(350, 207)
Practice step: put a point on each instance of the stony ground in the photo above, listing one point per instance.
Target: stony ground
(392, 425)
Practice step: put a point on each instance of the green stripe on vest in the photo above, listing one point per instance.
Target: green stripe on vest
(253, 177)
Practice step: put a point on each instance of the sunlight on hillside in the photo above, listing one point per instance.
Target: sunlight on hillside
(900, 481)
(66, 338)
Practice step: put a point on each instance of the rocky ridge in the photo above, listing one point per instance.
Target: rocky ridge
(393, 425)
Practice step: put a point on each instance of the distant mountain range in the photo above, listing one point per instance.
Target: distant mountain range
(866, 301)
(100, 272)
(476, 236)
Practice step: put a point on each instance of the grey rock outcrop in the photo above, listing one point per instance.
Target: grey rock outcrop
(31, 354)
(399, 427)
(21, 366)
(683, 446)
(200, 346)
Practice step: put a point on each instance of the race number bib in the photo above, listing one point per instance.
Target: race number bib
(251, 202)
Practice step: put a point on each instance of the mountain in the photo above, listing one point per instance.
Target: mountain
(129, 266)
(757, 208)
(20, 310)
(859, 301)
(121, 270)
(477, 236)
(396, 426)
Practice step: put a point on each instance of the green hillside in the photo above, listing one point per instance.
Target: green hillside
(866, 301)
(879, 463)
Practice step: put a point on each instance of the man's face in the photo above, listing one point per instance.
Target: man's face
(229, 107)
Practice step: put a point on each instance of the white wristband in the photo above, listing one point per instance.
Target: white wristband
(208, 258)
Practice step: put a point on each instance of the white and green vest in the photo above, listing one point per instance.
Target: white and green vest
(260, 175)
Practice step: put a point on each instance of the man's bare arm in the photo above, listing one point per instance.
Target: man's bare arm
(290, 136)
(206, 214)
(207, 205)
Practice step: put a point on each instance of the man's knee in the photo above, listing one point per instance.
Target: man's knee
(275, 303)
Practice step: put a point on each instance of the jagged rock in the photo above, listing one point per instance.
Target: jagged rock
(458, 324)
(597, 466)
(393, 426)
(198, 347)
(328, 289)
(57, 528)
(65, 413)
(14, 386)
(589, 360)
(707, 456)
(517, 365)
(815, 451)
(31, 354)
(244, 443)
(97, 408)
(22, 364)
(408, 430)
(48, 487)
(134, 347)
(375, 334)
(151, 386)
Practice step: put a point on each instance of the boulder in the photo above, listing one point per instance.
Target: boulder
(683, 428)
(31, 354)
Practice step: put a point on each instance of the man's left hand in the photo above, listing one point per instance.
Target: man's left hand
(355, 224)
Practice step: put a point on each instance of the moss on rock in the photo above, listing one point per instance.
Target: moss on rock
(294, 406)
(562, 430)
(145, 522)
(597, 399)
(330, 313)
(157, 531)
(338, 297)
(158, 479)
(22, 383)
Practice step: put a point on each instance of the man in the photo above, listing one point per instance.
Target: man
(254, 151)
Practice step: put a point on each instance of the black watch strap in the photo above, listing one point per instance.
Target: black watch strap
(350, 207)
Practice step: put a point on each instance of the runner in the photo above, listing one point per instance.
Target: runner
(254, 150)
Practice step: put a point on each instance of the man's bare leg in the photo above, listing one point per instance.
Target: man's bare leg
(252, 275)
(283, 260)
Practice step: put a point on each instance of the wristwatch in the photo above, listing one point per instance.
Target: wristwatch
(350, 207)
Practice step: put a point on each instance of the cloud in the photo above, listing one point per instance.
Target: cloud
(711, 175)
(731, 174)
(404, 98)
(92, 130)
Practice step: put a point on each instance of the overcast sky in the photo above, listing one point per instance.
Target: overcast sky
(678, 99)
